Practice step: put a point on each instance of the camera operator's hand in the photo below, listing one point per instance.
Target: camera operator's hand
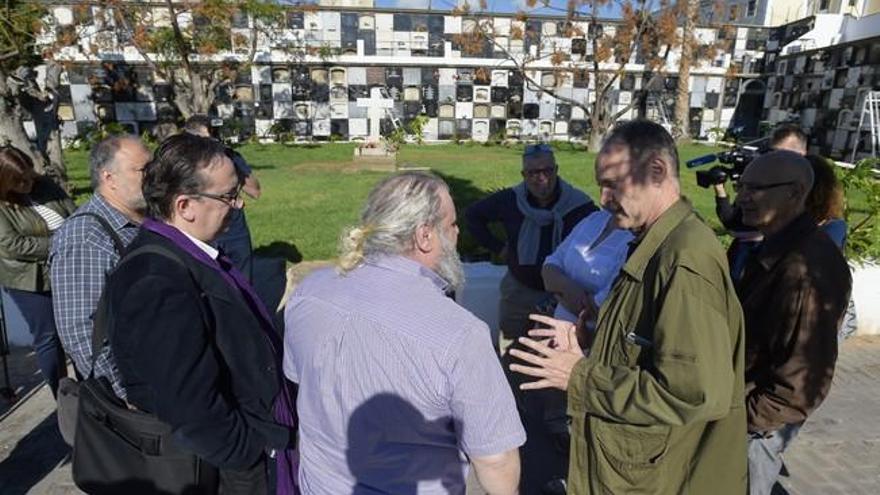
(720, 191)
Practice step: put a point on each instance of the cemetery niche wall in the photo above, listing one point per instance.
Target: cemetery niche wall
(414, 59)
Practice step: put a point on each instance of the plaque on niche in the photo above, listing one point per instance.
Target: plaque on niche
(411, 93)
(337, 76)
(319, 75)
(280, 74)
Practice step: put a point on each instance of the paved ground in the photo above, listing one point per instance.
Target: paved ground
(24, 377)
(837, 452)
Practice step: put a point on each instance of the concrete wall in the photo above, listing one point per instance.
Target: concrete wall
(866, 293)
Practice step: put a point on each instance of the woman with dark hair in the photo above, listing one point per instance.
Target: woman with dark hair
(825, 204)
(825, 201)
(32, 207)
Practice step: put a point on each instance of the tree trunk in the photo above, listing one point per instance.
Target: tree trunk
(594, 141)
(194, 95)
(12, 123)
(44, 111)
(199, 88)
(597, 130)
(681, 127)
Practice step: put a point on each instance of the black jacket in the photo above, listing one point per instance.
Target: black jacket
(190, 350)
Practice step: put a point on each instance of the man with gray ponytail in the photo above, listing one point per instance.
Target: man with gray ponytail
(396, 381)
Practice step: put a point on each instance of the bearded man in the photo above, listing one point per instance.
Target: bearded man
(398, 385)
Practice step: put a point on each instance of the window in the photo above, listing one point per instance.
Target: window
(752, 8)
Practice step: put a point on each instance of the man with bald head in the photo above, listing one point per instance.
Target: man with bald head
(794, 291)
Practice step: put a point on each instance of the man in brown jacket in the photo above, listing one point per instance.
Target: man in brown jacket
(794, 292)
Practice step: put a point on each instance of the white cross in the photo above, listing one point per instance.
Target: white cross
(377, 105)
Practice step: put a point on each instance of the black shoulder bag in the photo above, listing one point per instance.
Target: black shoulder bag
(119, 450)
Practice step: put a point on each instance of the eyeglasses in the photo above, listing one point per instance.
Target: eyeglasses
(535, 172)
(537, 149)
(232, 199)
(741, 187)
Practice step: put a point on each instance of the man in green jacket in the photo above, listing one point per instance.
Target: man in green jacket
(657, 404)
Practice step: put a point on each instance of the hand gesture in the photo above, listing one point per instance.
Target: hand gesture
(554, 357)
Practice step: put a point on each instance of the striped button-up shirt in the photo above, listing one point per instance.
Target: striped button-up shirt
(81, 254)
(396, 382)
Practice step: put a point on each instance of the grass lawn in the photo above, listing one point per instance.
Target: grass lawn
(311, 193)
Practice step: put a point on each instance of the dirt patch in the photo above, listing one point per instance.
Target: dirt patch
(342, 167)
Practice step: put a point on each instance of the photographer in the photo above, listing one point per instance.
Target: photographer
(785, 137)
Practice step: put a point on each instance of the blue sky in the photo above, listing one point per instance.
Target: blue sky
(494, 5)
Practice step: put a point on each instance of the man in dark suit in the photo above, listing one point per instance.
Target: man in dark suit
(193, 343)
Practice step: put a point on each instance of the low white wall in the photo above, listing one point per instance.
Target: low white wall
(480, 295)
(866, 293)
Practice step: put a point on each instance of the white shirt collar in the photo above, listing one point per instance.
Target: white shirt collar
(204, 246)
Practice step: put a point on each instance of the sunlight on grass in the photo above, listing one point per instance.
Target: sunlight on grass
(311, 193)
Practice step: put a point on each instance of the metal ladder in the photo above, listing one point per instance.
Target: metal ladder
(389, 112)
(871, 112)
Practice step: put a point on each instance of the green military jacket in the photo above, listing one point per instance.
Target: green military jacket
(658, 405)
(24, 238)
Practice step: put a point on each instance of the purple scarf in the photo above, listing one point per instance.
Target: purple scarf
(287, 461)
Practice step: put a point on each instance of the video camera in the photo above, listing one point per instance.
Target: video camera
(736, 159)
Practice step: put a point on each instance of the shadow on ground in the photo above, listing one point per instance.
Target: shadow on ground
(278, 249)
(34, 457)
(21, 375)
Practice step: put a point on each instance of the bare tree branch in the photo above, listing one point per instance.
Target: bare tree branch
(120, 16)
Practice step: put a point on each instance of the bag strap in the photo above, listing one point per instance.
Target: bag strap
(99, 332)
(114, 236)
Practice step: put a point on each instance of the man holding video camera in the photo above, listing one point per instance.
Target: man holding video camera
(785, 137)
(788, 137)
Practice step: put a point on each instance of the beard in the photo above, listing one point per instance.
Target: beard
(450, 267)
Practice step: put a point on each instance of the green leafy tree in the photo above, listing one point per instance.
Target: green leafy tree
(196, 45)
(644, 35)
(861, 183)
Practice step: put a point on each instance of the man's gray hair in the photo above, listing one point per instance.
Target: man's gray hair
(104, 153)
(395, 208)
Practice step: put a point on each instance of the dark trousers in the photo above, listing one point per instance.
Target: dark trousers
(544, 457)
(36, 307)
